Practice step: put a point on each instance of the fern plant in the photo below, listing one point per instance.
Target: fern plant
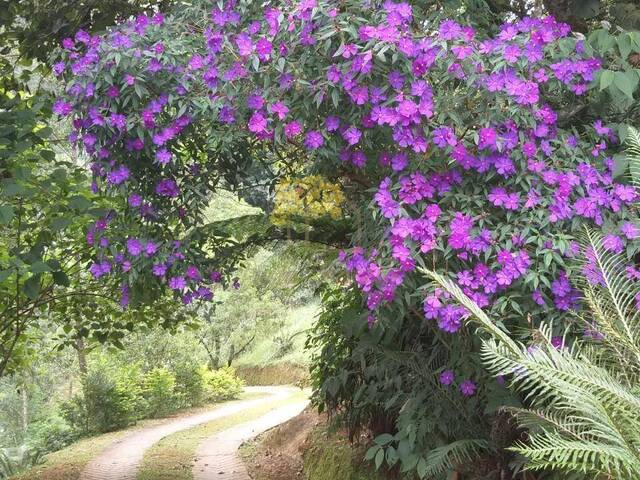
(17, 460)
(583, 400)
(583, 416)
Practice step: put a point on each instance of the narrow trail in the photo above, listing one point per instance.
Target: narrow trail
(217, 457)
(122, 459)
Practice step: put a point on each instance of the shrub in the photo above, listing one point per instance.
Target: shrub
(111, 399)
(51, 434)
(16, 460)
(189, 387)
(159, 392)
(583, 398)
(221, 384)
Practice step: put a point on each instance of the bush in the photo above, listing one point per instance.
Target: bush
(111, 399)
(582, 399)
(190, 386)
(16, 460)
(160, 392)
(221, 384)
(51, 434)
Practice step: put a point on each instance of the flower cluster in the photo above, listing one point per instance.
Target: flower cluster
(475, 175)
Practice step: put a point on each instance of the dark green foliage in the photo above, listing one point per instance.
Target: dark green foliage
(51, 434)
(17, 460)
(189, 386)
(110, 400)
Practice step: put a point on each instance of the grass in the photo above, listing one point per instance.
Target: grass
(331, 456)
(68, 463)
(172, 458)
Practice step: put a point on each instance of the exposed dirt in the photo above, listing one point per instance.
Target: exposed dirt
(277, 454)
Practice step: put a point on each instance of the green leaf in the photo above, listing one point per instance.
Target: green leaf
(6, 214)
(9, 188)
(40, 267)
(31, 287)
(620, 162)
(60, 223)
(626, 82)
(61, 278)
(48, 155)
(4, 274)
(79, 202)
(422, 468)
(379, 458)
(371, 453)
(606, 79)
(384, 439)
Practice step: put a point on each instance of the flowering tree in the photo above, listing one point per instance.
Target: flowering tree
(481, 172)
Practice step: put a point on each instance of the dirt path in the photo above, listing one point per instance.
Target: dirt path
(217, 457)
(121, 460)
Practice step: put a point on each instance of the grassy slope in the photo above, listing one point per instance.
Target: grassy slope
(306, 447)
(68, 463)
(259, 367)
(172, 457)
(330, 456)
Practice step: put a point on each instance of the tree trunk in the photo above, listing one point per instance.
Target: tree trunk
(217, 345)
(25, 409)
(82, 355)
(232, 354)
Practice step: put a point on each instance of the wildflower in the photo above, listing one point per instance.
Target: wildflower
(447, 377)
(468, 388)
(313, 140)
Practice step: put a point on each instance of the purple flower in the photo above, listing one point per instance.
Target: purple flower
(134, 247)
(62, 108)
(255, 102)
(167, 188)
(352, 135)
(447, 377)
(119, 175)
(280, 109)
(468, 388)
(630, 231)
(100, 269)
(150, 249)
(177, 283)
(164, 156)
(159, 269)
(292, 129)
(613, 243)
(257, 123)
(193, 273)
(263, 47)
(313, 140)
(134, 200)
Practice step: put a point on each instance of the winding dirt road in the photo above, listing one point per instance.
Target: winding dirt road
(122, 459)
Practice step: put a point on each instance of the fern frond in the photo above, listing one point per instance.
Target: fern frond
(448, 457)
(613, 304)
(548, 373)
(551, 450)
(476, 312)
(633, 155)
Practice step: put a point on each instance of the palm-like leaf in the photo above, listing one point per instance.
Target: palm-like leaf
(583, 417)
(633, 154)
(448, 457)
